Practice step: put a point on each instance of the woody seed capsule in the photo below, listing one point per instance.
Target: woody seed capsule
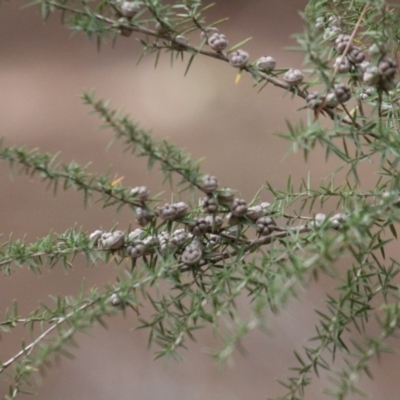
(140, 192)
(168, 212)
(179, 236)
(225, 196)
(342, 64)
(266, 63)
(129, 8)
(112, 240)
(331, 32)
(370, 90)
(387, 68)
(371, 76)
(333, 20)
(137, 249)
(115, 300)
(209, 204)
(313, 100)
(181, 39)
(214, 222)
(181, 208)
(198, 226)
(218, 41)
(151, 243)
(209, 31)
(337, 221)
(192, 254)
(319, 23)
(355, 55)
(342, 93)
(362, 67)
(166, 244)
(265, 225)
(123, 29)
(214, 239)
(255, 212)
(293, 77)
(209, 183)
(341, 43)
(331, 100)
(143, 217)
(95, 236)
(319, 220)
(239, 58)
(239, 207)
(135, 234)
(266, 207)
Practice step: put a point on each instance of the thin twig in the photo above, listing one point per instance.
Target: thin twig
(216, 55)
(28, 349)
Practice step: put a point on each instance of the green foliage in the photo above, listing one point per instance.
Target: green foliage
(190, 263)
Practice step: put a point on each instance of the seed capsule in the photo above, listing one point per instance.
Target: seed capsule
(342, 65)
(140, 192)
(341, 42)
(129, 8)
(209, 31)
(293, 77)
(266, 63)
(265, 225)
(112, 240)
(218, 41)
(168, 212)
(209, 183)
(356, 55)
(239, 208)
(209, 204)
(342, 93)
(239, 58)
(192, 254)
(198, 226)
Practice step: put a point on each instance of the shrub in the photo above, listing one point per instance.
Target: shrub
(190, 260)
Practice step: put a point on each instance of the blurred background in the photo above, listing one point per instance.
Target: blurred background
(43, 71)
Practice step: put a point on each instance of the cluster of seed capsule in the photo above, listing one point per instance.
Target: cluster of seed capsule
(217, 41)
(340, 94)
(196, 234)
(351, 58)
(381, 72)
(240, 58)
(191, 236)
(378, 73)
(337, 221)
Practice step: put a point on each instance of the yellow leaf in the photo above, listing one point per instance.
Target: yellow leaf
(30, 368)
(238, 77)
(116, 181)
(353, 112)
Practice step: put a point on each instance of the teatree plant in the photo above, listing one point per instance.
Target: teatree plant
(188, 263)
